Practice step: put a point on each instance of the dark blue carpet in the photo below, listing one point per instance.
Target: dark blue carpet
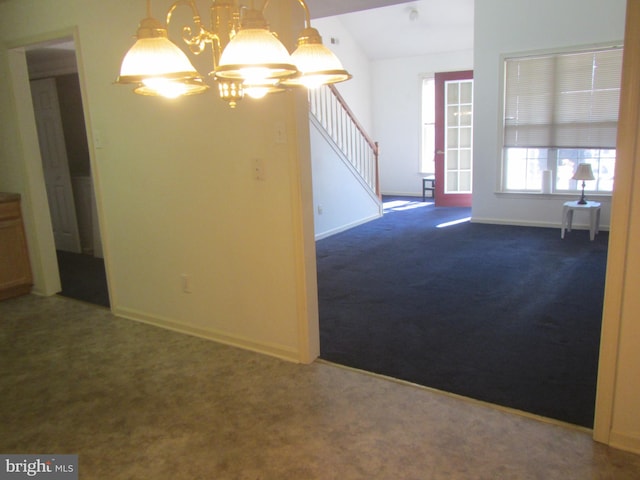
(503, 314)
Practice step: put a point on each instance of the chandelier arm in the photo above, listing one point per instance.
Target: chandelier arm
(195, 41)
(307, 15)
(225, 23)
(265, 5)
(186, 3)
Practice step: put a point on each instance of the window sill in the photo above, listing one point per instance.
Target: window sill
(602, 197)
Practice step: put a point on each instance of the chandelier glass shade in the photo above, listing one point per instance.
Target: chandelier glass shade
(248, 59)
(156, 66)
(316, 63)
(254, 55)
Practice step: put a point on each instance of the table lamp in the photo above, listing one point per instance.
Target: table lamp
(583, 172)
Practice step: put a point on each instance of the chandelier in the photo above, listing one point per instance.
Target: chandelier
(247, 58)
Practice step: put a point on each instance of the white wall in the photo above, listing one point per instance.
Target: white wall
(340, 199)
(357, 91)
(175, 187)
(522, 26)
(337, 193)
(397, 85)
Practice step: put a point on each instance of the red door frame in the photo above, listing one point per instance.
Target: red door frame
(442, 199)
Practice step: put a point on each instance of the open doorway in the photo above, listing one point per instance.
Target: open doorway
(62, 138)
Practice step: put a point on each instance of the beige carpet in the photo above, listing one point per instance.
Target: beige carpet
(138, 402)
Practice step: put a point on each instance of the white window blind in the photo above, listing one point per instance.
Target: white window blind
(563, 100)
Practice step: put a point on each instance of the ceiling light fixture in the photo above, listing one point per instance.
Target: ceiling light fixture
(248, 59)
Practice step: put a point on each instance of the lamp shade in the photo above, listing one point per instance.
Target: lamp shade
(583, 172)
(254, 55)
(317, 64)
(170, 88)
(157, 65)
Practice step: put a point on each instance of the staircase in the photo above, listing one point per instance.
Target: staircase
(329, 110)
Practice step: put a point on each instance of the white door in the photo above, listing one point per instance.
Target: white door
(55, 165)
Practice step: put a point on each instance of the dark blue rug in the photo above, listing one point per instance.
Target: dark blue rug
(503, 314)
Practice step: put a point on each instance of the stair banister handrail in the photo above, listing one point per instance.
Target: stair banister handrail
(352, 148)
(341, 100)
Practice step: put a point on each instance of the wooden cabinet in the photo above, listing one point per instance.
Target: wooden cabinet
(15, 270)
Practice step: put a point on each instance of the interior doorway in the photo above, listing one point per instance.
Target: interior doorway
(64, 150)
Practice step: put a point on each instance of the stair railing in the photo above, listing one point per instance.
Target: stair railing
(334, 115)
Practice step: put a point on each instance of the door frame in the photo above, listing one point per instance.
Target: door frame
(38, 226)
(616, 362)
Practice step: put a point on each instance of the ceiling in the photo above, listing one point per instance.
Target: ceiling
(406, 29)
(389, 28)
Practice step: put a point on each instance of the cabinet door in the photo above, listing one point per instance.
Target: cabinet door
(15, 271)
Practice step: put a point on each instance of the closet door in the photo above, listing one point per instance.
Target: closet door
(55, 165)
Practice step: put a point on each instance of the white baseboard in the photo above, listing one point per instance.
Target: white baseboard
(524, 223)
(344, 228)
(403, 194)
(518, 223)
(278, 351)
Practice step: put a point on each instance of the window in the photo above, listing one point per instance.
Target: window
(427, 164)
(561, 110)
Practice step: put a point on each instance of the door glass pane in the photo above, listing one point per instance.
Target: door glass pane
(466, 92)
(452, 181)
(452, 137)
(458, 136)
(465, 159)
(452, 93)
(452, 157)
(465, 116)
(465, 181)
(453, 116)
(465, 137)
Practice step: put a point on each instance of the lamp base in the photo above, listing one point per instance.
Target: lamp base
(582, 200)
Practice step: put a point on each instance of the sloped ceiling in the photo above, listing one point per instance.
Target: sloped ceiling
(329, 8)
(413, 28)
